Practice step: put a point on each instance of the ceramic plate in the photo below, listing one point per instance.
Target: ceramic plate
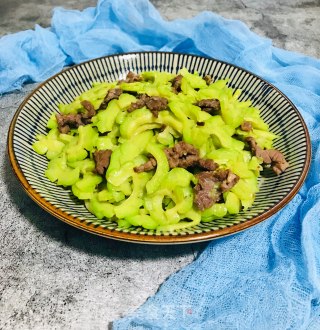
(33, 114)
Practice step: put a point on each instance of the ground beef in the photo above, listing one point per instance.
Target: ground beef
(148, 166)
(89, 113)
(204, 199)
(156, 104)
(66, 122)
(207, 164)
(212, 182)
(246, 126)
(176, 83)
(132, 77)
(208, 79)
(112, 94)
(182, 155)
(205, 191)
(271, 156)
(102, 160)
(230, 181)
(209, 105)
(140, 103)
(211, 185)
(186, 155)
(153, 103)
(220, 175)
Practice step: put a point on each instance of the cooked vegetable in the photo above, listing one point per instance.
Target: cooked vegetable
(159, 150)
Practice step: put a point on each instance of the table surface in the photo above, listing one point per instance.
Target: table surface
(53, 276)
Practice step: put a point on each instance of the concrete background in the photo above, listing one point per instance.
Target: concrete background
(291, 24)
(53, 276)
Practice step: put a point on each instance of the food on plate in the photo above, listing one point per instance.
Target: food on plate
(159, 150)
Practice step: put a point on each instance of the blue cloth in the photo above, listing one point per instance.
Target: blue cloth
(267, 277)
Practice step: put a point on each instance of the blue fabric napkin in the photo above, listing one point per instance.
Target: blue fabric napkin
(267, 277)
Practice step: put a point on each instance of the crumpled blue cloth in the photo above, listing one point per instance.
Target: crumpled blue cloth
(267, 277)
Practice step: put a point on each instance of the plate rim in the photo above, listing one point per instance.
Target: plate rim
(145, 238)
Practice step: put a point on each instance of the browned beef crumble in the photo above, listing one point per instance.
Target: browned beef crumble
(205, 192)
(176, 83)
(112, 94)
(209, 105)
(132, 77)
(153, 103)
(211, 185)
(207, 164)
(220, 175)
(226, 178)
(156, 104)
(102, 160)
(182, 155)
(186, 155)
(208, 79)
(212, 182)
(89, 113)
(230, 181)
(271, 156)
(246, 126)
(148, 166)
(66, 122)
(140, 103)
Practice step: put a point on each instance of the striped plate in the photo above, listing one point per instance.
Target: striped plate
(33, 114)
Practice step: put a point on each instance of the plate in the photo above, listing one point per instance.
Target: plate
(276, 109)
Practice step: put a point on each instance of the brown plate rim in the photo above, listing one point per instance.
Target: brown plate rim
(150, 239)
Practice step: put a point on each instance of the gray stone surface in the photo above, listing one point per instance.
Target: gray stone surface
(291, 24)
(53, 276)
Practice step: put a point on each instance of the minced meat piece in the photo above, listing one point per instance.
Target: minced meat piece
(182, 155)
(278, 161)
(209, 105)
(230, 181)
(156, 104)
(205, 192)
(208, 79)
(246, 126)
(206, 179)
(90, 111)
(269, 156)
(153, 103)
(176, 83)
(211, 185)
(148, 166)
(186, 155)
(203, 199)
(65, 122)
(102, 160)
(112, 94)
(207, 164)
(220, 175)
(140, 103)
(132, 77)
